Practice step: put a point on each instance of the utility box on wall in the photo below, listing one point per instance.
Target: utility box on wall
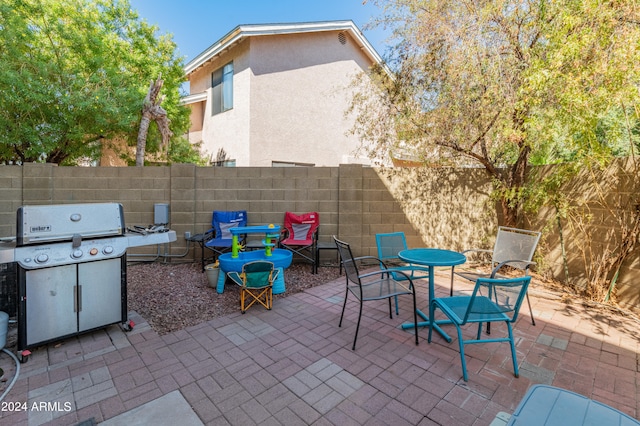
(161, 214)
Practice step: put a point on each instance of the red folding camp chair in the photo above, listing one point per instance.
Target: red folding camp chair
(301, 236)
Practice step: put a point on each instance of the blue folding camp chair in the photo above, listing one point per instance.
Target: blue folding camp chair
(222, 221)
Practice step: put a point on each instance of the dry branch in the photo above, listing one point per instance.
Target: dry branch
(152, 111)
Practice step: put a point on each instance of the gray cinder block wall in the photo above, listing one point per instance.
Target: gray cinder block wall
(434, 207)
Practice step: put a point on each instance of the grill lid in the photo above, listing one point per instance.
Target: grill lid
(64, 222)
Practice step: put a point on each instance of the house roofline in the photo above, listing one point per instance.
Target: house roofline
(193, 98)
(243, 31)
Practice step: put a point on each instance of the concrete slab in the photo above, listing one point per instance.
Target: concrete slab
(171, 409)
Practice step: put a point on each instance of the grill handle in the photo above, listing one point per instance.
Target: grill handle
(77, 298)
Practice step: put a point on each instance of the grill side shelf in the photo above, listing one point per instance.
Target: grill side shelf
(137, 240)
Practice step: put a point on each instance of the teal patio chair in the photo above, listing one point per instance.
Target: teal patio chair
(492, 300)
(389, 245)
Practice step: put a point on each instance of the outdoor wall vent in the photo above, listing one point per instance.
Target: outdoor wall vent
(342, 38)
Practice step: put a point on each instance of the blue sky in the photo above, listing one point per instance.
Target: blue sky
(197, 24)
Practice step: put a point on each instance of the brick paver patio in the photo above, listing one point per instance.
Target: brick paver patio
(293, 365)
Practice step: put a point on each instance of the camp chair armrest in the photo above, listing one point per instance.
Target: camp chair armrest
(274, 276)
(235, 277)
(208, 234)
(520, 264)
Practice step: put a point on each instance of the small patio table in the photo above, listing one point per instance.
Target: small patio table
(431, 257)
(549, 405)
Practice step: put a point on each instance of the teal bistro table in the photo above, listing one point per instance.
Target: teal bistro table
(431, 257)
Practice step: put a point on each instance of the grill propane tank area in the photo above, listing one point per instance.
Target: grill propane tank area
(72, 268)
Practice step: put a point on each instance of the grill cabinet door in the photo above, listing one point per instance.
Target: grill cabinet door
(100, 293)
(50, 303)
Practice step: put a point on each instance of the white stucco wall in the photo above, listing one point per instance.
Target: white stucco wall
(230, 129)
(299, 96)
(290, 96)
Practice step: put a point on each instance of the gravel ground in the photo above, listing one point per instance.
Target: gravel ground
(174, 296)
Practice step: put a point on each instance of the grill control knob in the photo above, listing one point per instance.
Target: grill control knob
(42, 258)
(77, 254)
(107, 250)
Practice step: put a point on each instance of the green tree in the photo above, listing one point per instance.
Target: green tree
(504, 84)
(74, 75)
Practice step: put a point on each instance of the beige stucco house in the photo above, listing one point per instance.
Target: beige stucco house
(276, 94)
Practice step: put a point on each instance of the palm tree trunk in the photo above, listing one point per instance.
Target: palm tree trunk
(151, 110)
(142, 138)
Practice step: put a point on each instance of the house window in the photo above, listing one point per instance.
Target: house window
(222, 89)
(224, 163)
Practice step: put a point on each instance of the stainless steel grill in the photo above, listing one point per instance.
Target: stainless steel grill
(72, 268)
